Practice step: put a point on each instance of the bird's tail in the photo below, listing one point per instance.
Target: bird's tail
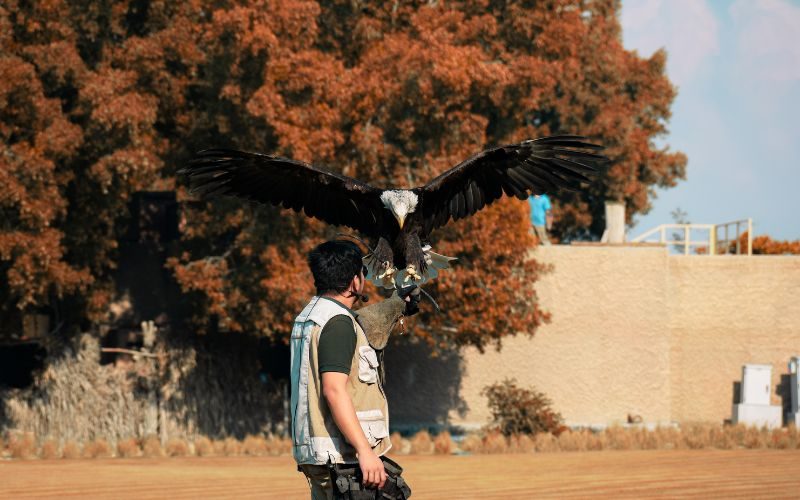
(435, 263)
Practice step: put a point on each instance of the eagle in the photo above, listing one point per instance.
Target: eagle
(398, 221)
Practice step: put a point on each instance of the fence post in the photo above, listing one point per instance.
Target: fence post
(749, 236)
(686, 239)
(712, 243)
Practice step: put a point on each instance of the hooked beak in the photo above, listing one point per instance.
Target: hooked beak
(401, 220)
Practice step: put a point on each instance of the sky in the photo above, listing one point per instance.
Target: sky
(736, 64)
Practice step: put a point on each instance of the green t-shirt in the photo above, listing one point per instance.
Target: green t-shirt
(337, 345)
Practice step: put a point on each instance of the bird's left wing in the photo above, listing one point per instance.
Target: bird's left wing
(536, 166)
(334, 198)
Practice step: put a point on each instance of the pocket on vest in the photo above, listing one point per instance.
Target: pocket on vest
(367, 364)
(374, 425)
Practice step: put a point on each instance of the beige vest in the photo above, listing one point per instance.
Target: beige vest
(315, 436)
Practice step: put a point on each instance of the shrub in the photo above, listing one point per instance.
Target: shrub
(177, 448)
(203, 447)
(545, 442)
(443, 444)
(128, 448)
(50, 450)
(421, 443)
(521, 443)
(516, 410)
(151, 447)
(22, 446)
(231, 447)
(256, 446)
(572, 441)
(472, 443)
(495, 442)
(97, 449)
(71, 450)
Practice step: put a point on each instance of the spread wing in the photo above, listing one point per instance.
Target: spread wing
(328, 196)
(535, 166)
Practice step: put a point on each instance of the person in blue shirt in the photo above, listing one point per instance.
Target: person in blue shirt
(540, 209)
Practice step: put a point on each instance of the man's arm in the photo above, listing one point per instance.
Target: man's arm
(344, 415)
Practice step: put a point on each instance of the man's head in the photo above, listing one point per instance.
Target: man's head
(337, 267)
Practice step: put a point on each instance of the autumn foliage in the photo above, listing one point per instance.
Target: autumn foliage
(103, 99)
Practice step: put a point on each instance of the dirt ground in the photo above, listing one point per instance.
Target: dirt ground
(610, 474)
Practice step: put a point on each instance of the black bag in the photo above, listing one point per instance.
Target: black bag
(348, 482)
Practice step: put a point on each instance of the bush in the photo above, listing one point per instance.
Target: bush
(177, 448)
(71, 450)
(443, 444)
(97, 449)
(50, 450)
(495, 442)
(255, 446)
(521, 443)
(152, 447)
(128, 448)
(22, 446)
(421, 443)
(203, 447)
(472, 443)
(516, 410)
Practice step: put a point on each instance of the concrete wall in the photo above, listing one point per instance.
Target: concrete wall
(634, 331)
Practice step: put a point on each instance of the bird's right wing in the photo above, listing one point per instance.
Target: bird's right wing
(328, 196)
(536, 166)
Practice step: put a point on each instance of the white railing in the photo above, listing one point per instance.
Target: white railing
(712, 242)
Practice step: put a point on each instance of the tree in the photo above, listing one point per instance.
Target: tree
(113, 97)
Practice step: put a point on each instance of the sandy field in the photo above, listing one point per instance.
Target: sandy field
(608, 474)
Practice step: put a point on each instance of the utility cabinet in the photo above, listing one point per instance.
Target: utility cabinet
(756, 384)
(794, 381)
(754, 408)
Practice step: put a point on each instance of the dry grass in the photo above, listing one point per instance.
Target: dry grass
(471, 443)
(545, 443)
(151, 447)
(71, 450)
(421, 443)
(277, 445)
(128, 448)
(696, 436)
(255, 446)
(495, 442)
(521, 443)
(203, 447)
(230, 447)
(22, 446)
(177, 448)
(50, 450)
(443, 444)
(98, 448)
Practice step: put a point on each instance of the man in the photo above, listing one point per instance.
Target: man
(540, 213)
(340, 414)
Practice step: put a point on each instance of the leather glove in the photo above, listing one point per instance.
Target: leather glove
(413, 293)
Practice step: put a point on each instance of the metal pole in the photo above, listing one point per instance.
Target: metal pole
(712, 243)
(738, 240)
(686, 239)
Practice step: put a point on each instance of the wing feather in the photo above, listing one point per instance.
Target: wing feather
(317, 192)
(538, 166)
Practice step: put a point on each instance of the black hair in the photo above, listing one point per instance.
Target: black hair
(334, 264)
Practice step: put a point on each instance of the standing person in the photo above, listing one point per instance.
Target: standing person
(340, 414)
(540, 213)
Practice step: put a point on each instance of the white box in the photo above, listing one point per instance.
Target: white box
(756, 384)
(758, 415)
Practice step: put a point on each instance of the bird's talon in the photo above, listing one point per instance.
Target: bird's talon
(411, 273)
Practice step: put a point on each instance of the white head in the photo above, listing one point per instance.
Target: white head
(400, 203)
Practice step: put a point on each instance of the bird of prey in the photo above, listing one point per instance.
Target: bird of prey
(399, 221)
